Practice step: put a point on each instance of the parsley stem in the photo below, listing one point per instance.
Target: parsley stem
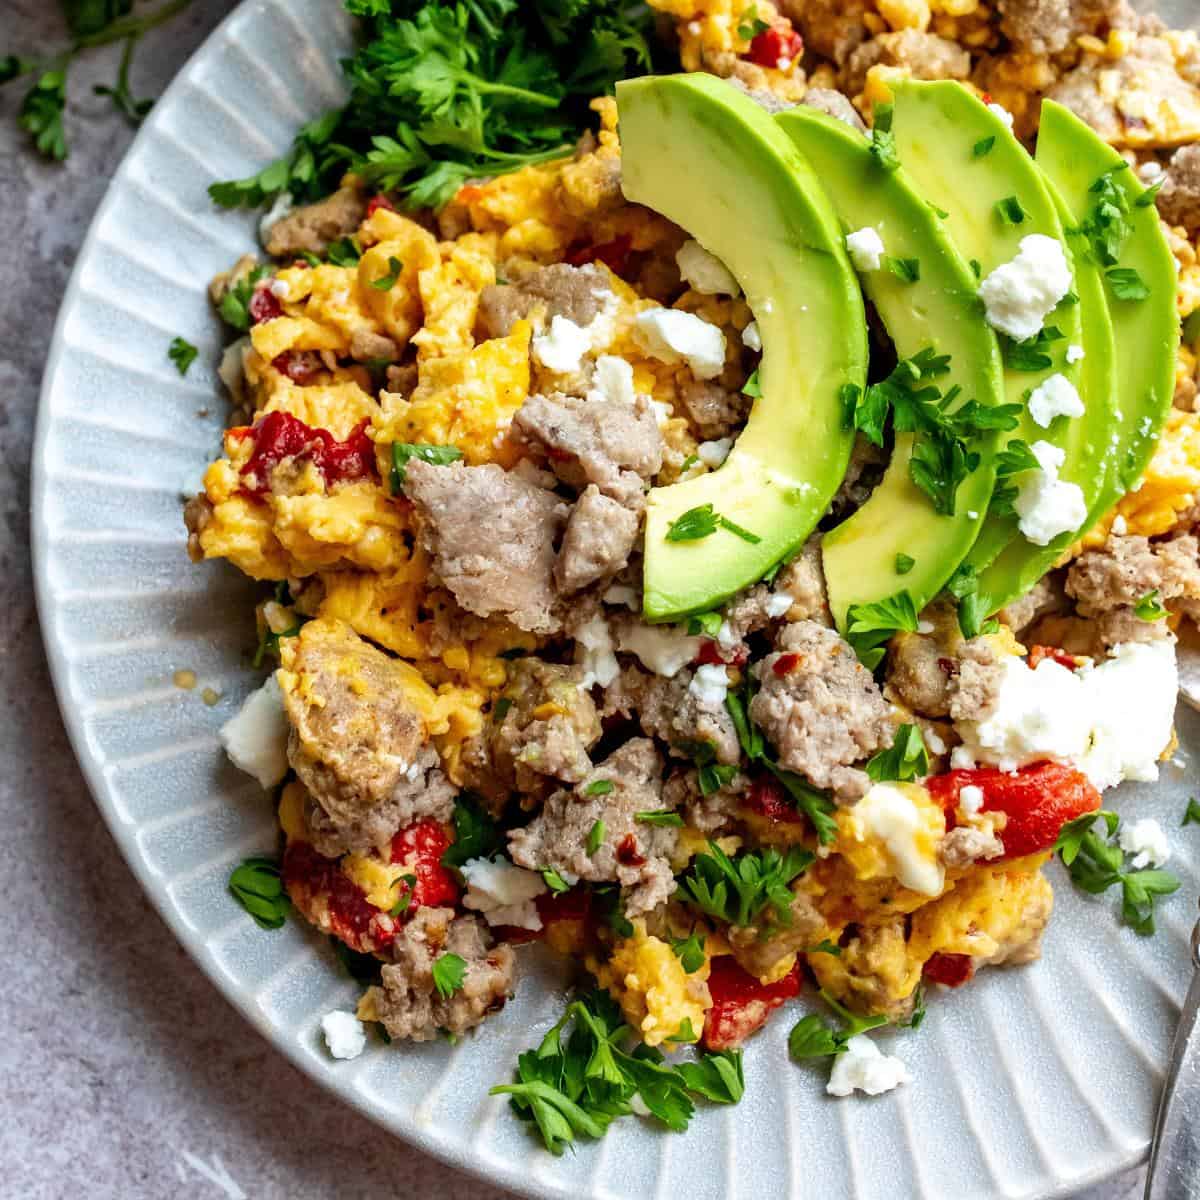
(487, 87)
(131, 26)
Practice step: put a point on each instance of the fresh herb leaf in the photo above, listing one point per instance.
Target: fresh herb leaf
(1126, 284)
(449, 971)
(752, 387)
(738, 890)
(707, 623)
(738, 531)
(1191, 815)
(904, 563)
(1107, 226)
(717, 1077)
(595, 836)
(905, 760)
(268, 643)
(364, 969)
(919, 1012)
(690, 952)
(814, 804)
(1033, 354)
(869, 627)
(1011, 210)
(1150, 607)
(555, 882)
(825, 947)
(811, 1037)
(41, 114)
(598, 787)
(976, 268)
(712, 777)
(404, 452)
(476, 834)
(123, 99)
(385, 283)
(256, 885)
(1149, 195)
(883, 141)
(702, 522)
(906, 269)
(659, 817)
(983, 146)
(401, 906)
(849, 396)
(345, 252)
(182, 353)
(234, 308)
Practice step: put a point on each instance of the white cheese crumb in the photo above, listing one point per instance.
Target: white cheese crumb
(280, 289)
(1120, 526)
(671, 335)
(709, 685)
(622, 593)
(934, 742)
(562, 348)
(663, 412)
(925, 627)
(694, 28)
(1054, 397)
(970, 801)
(751, 338)
(1147, 842)
(663, 649)
(889, 814)
(1151, 171)
(704, 272)
(613, 380)
(503, 892)
(594, 652)
(256, 738)
(865, 248)
(726, 638)
(344, 1034)
(961, 759)
(1047, 506)
(1074, 353)
(713, 454)
(779, 603)
(864, 1067)
(1000, 111)
(1018, 295)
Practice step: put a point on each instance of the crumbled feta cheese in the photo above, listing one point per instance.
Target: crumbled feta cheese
(865, 1068)
(1110, 720)
(344, 1034)
(778, 603)
(1054, 397)
(1046, 505)
(503, 892)
(613, 380)
(562, 347)
(622, 593)
(671, 335)
(595, 653)
(1018, 295)
(1151, 171)
(1147, 842)
(704, 272)
(280, 289)
(925, 627)
(934, 742)
(865, 248)
(970, 801)
(1000, 111)
(256, 738)
(663, 412)
(889, 814)
(961, 759)
(727, 639)
(710, 684)
(663, 649)
(1120, 526)
(1074, 353)
(751, 338)
(713, 454)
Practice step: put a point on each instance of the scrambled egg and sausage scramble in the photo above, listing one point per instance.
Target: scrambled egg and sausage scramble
(444, 425)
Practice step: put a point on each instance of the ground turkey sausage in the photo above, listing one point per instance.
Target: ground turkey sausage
(598, 541)
(834, 104)
(492, 536)
(357, 742)
(760, 947)
(715, 412)
(1127, 568)
(409, 1004)
(1050, 26)
(820, 707)
(611, 443)
(629, 852)
(310, 229)
(1179, 196)
(919, 673)
(577, 293)
(924, 55)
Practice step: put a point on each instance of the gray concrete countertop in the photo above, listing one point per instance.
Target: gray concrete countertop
(125, 1074)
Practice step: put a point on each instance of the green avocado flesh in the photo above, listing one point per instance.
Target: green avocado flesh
(960, 155)
(708, 158)
(1145, 332)
(939, 309)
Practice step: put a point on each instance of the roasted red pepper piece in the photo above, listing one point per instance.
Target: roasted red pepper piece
(1039, 654)
(279, 435)
(318, 888)
(951, 969)
(301, 366)
(780, 43)
(614, 255)
(1039, 800)
(766, 797)
(378, 201)
(741, 1004)
(264, 305)
(420, 848)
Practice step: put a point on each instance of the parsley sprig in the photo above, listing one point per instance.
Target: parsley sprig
(404, 452)
(476, 835)
(256, 885)
(869, 627)
(813, 1037)
(703, 521)
(581, 1077)
(441, 93)
(737, 890)
(1096, 862)
(905, 760)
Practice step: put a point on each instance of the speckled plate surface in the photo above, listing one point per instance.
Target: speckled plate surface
(1033, 1082)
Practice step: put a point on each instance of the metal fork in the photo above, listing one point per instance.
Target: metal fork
(1174, 1172)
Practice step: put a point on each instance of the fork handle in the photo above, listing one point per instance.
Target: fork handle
(1174, 1172)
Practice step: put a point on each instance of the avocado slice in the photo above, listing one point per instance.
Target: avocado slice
(1145, 332)
(963, 157)
(939, 309)
(707, 157)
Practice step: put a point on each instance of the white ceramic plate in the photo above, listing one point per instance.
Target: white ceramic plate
(1032, 1082)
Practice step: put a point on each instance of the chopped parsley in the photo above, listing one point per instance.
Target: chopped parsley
(1149, 195)
(401, 906)
(905, 760)
(449, 971)
(849, 395)
(256, 885)
(1011, 210)
(345, 252)
(598, 787)
(1033, 354)
(904, 563)
(476, 835)
(825, 947)
(976, 268)
(737, 890)
(690, 952)
(1012, 460)
(234, 308)
(1096, 862)
(385, 283)
(501, 709)
(555, 882)
(906, 269)
(940, 213)
(1191, 815)
(1191, 326)
(963, 585)
(1107, 226)
(869, 627)
(702, 522)
(182, 353)
(268, 643)
(752, 387)
(751, 24)
(811, 1037)
(404, 452)
(883, 141)
(983, 146)
(595, 838)
(576, 1086)
(1126, 284)
(1150, 607)
(658, 817)
(707, 623)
